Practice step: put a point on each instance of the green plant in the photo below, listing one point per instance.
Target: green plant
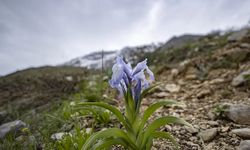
(136, 133)
(220, 110)
(101, 116)
(75, 140)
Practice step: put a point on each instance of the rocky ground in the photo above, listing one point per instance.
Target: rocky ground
(218, 107)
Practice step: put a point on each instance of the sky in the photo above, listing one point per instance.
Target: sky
(50, 32)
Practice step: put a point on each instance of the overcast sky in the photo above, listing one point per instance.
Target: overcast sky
(40, 32)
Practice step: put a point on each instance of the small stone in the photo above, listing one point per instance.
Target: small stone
(211, 115)
(161, 95)
(208, 135)
(89, 130)
(213, 123)
(238, 113)
(69, 78)
(243, 132)
(13, 126)
(172, 88)
(58, 136)
(191, 77)
(225, 129)
(203, 93)
(217, 81)
(240, 79)
(174, 72)
(191, 130)
(244, 145)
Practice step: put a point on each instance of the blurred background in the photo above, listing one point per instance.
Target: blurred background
(35, 33)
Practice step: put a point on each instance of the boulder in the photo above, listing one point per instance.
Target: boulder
(237, 55)
(244, 145)
(238, 35)
(241, 78)
(238, 113)
(243, 132)
(13, 126)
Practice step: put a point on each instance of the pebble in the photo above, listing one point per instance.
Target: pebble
(208, 135)
(172, 88)
(161, 95)
(58, 136)
(203, 93)
(240, 79)
(243, 132)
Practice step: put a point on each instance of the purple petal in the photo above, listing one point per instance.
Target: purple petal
(126, 67)
(139, 67)
(137, 91)
(117, 75)
(151, 74)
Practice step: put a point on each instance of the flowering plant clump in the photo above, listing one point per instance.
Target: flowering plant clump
(136, 133)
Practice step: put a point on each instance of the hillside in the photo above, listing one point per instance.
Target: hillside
(97, 60)
(202, 71)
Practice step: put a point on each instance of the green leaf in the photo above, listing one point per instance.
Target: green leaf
(165, 135)
(149, 144)
(107, 143)
(112, 109)
(152, 108)
(113, 132)
(149, 90)
(160, 122)
(145, 93)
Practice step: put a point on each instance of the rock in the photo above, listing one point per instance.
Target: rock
(174, 72)
(161, 94)
(238, 35)
(203, 93)
(244, 145)
(245, 45)
(243, 132)
(191, 130)
(190, 77)
(238, 113)
(26, 141)
(240, 79)
(172, 88)
(211, 115)
(212, 123)
(217, 81)
(208, 135)
(89, 130)
(184, 65)
(13, 126)
(225, 129)
(58, 136)
(237, 55)
(69, 78)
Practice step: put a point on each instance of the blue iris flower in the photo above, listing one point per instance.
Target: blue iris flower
(124, 77)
